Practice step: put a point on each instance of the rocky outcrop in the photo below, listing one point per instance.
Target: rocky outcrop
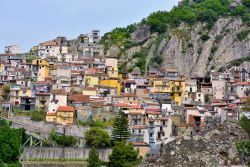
(141, 34)
(194, 56)
(216, 147)
(195, 49)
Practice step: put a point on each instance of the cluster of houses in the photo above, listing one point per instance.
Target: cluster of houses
(71, 80)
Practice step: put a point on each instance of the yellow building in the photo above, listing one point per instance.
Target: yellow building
(91, 80)
(115, 83)
(40, 69)
(178, 88)
(112, 72)
(1, 67)
(161, 86)
(16, 92)
(51, 117)
(65, 115)
(90, 91)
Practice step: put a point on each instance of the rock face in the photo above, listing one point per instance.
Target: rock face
(215, 147)
(195, 49)
(194, 56)
(141, 34)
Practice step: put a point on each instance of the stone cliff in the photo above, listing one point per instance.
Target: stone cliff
(193, 48)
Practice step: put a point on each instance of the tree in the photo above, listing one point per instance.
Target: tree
(246, 3)
(246, 108)
(245, 124)
(97, 137)
(120, 128)
(61, 139)
(6, 91)
(124, 155)
(10, 142)
(93, 160)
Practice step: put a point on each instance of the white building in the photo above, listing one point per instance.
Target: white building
(57, 99)
(50, 48)
(67, 57)
(13, 49)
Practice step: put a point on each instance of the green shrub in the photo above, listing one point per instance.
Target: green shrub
(218, 38)
(38, 115)
(214, 49)
(239, 11)
(246, 3)
(243, 34)
(205, 37)
(97, 137)
(156, 60)
(190, 45)
(61, 139)
(210, 58)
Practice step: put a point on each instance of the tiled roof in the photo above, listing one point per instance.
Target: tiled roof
(243, 83)
(79, 98)
(90, 88)
(51, 114)
(65, 109)
(121, 105)
(129, 95)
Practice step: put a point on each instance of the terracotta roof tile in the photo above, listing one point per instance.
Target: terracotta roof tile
(65, 109)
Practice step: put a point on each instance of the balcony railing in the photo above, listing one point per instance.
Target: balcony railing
(15, 87)
(151, 130)
(138, 134)
(151, 125)
(151, 139)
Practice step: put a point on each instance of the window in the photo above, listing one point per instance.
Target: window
(199, 95)
(150, 134)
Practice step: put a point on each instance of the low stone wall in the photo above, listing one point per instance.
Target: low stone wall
(57, 153)
(53, 164)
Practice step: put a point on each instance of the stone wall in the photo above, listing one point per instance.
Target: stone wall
(30, 153)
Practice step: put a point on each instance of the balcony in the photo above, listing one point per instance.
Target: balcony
(137, 117)
(151, 139)
(42, 100)
(151, 130)
(176, 89)
(151, 125)
(138, 134)
(15, 87)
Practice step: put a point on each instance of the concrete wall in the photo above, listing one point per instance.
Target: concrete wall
(57, 153)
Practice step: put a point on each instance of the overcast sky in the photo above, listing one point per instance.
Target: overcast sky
(29, 22)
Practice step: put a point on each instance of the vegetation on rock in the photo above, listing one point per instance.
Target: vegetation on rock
(163, 22)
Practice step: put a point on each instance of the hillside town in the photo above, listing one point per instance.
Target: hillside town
(74, 81)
